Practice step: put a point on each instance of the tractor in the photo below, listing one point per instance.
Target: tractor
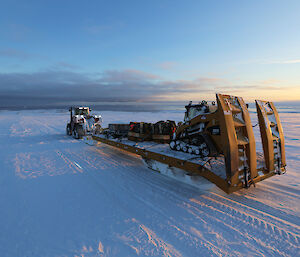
(82, 123)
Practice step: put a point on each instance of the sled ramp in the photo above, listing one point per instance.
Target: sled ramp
(238, 138)
(271, 136)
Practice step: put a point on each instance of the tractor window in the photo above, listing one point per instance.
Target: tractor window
(193, 112)
(81, 111)
(197, 109)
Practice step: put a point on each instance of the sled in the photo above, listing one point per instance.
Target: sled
(215, 141)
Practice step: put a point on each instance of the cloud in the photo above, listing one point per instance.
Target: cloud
(52, 86)
(13, 53)
(129, 75)
(267, 61)
(66, 86)
(65, 66)
(291, 61)
(271, 81)
(167, 65)
(285, 62)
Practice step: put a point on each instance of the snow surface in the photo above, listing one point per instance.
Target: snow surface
(62, 197)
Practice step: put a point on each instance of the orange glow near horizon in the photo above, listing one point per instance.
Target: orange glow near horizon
(275, 95)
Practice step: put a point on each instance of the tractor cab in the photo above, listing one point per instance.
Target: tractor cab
(82, 111)
(194, 110)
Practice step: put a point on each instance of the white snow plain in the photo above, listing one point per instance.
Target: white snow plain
(62, 197)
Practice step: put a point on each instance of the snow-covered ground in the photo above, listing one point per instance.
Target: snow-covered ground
(63, 197)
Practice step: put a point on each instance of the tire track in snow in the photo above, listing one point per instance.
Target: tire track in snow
(70, 163)
(271, 216)
(238, 219)
(253, 222)
(30, 125)
(259, 229)
(283, 188)
(257, 212)
(201, 244)
(196, 241)
(229, 229)
(146, 235)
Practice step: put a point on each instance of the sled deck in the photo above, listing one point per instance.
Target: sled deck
(210, 168)
(215, 141)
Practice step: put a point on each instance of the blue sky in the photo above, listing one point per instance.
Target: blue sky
(150, 50)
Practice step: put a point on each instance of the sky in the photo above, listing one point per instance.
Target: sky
(54, 52)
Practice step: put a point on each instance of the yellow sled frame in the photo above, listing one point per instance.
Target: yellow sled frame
(238, 145)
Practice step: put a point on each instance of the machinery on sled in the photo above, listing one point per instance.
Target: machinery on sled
(83, 123)
(160, 131)
(215, 141)
(224, 128)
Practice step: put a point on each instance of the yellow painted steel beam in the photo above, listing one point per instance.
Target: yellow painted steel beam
(192, 168)
(266, 134)
(281, 136)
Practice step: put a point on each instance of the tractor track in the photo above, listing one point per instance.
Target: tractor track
(232, 215)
